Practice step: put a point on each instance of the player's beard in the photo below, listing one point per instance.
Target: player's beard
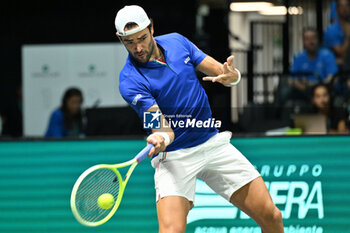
(148, 53)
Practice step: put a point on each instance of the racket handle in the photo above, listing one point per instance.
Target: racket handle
(143, 154)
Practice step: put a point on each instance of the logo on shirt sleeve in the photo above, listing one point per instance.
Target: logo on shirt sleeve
(134, 101)
(151, 120)
(187, 60)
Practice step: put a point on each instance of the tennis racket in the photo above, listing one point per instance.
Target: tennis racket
(98, 180)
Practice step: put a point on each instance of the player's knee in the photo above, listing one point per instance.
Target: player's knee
(272, 216)
(277, 215)
(172, 229)
(170, 226)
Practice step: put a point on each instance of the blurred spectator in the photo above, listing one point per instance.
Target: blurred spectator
(337, 35)
(67, 120)
(311, 66)
(320, 63)
(322, 103)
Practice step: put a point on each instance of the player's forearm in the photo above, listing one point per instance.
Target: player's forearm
(164, 129)
(210, 66)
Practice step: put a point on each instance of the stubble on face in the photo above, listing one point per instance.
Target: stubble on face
(140, 45)
(147, 52)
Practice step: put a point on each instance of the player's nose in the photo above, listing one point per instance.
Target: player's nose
(138, 48)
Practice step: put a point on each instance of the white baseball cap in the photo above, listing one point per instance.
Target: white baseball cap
(131, 14)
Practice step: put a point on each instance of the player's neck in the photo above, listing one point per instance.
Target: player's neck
(157, 53)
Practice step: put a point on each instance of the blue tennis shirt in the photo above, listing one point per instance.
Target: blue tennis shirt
(56, 126)
(323, 65)
(173, 86)
(333, 35)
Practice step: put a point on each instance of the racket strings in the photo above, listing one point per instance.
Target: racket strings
(94, 185)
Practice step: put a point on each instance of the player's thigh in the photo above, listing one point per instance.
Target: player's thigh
(172, 213)
(227, 171)
(254, 199)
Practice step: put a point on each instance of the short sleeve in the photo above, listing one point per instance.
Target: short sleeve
(330, 39)
(56, 126)
(196, 54)
(137, 95)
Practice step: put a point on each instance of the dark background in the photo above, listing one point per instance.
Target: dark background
(47, 22)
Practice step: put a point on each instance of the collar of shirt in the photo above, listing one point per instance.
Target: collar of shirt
(154, 63)
(308, 58)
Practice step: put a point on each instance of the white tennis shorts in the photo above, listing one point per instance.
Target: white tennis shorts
(216, 161)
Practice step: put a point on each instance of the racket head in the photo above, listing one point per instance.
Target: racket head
(94, 182)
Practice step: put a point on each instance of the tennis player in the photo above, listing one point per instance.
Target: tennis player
(160, 77)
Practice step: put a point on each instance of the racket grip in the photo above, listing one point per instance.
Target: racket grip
(143, 154)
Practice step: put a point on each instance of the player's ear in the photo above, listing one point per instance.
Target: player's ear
(152, 30)
(120, 39)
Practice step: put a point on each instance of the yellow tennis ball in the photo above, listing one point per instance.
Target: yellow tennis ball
(105, 201)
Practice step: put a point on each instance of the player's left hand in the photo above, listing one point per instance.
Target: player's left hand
(230, 74)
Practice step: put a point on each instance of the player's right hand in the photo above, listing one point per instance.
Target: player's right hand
(158, 142)
(229, 75)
